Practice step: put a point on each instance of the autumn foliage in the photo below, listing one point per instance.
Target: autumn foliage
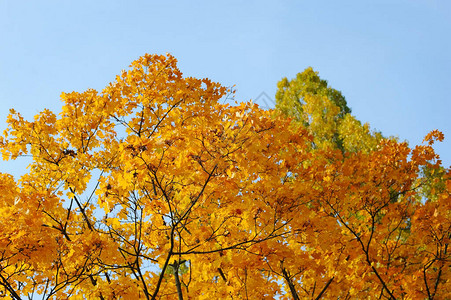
(154, 189)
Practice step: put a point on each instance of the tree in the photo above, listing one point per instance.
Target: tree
(324, 112)
(152, 189)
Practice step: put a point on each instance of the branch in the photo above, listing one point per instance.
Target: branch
(10, 289)
(177, 279)
(290, 284)
(81, 209)
(324, 289)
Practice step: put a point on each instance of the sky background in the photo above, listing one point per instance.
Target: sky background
(391, 59)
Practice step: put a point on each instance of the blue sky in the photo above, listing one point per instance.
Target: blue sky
(391, 59)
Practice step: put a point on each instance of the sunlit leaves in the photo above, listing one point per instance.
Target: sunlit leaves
(153, 189)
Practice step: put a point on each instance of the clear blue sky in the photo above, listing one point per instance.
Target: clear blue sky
(391, 59)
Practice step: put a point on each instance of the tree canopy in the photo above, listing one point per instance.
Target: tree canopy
(309, 100)
(154, 189)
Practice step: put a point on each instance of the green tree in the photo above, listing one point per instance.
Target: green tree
(309, 100)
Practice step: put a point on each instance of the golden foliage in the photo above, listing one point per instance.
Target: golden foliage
(153, 189)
